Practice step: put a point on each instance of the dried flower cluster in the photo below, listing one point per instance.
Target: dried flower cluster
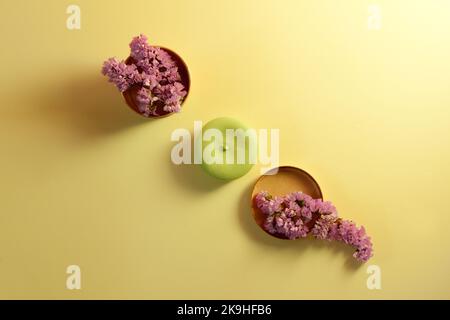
(156, 74)
(296, 215)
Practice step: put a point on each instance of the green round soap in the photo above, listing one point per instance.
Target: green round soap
(226, 157)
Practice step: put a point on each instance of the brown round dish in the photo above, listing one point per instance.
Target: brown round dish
(288, 179)
(130, 94)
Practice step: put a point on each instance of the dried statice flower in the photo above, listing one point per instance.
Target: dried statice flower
(121, 74)
(140, 49)
(267, 204)
(322, 227)
(155, 71)
(143, 99)
(283, 223)
(289, 216)
(172, 96)
(349, 233)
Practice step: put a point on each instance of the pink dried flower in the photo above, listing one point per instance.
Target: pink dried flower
(172, 96)
(143, 98)
(155, 71)
(288, 217)
(140, 49)
(322, 228)
(285, 225)
(326, 207)
(348, 233)
(122, 75)
(267, 204)
(149, 81)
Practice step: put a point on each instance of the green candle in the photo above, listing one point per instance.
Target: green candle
(228, 148)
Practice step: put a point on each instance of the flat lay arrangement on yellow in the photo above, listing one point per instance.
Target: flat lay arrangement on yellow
(358, 91)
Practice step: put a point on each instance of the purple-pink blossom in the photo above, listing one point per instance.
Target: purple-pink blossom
(291, 217)
(143, 101)
(121, 74)
(154, 71)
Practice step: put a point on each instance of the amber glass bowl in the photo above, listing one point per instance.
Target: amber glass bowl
(281, 181)
(130, 94)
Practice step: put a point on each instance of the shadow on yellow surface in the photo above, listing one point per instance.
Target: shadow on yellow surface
(89, 104)
(194, 178)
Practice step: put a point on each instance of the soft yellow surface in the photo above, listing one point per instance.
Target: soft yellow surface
(85, 181)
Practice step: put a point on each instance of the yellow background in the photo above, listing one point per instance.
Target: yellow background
(86, 181)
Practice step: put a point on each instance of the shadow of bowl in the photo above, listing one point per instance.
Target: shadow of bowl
(88, 103)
